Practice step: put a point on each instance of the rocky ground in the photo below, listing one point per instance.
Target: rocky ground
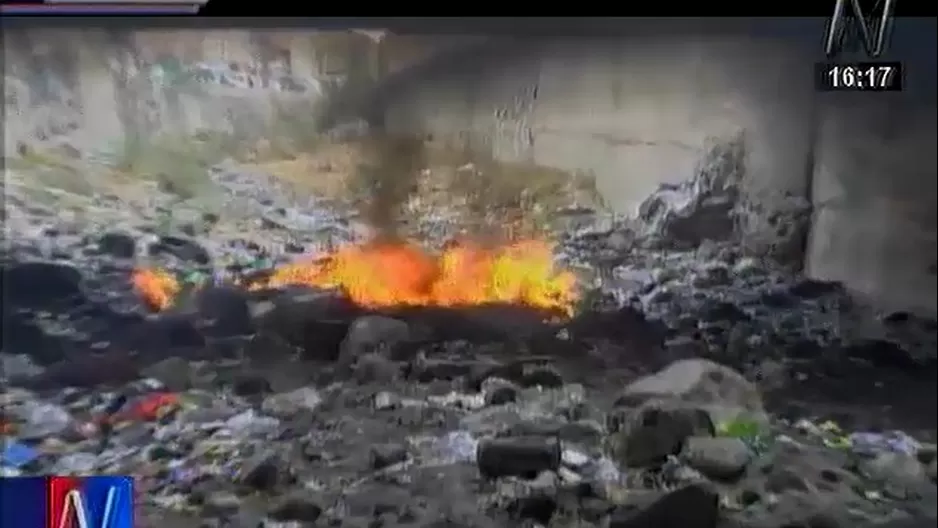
(696, 387)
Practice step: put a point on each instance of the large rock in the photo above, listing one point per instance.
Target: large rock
(372, 334)
(718, 458)
(694, 506)
(313, 320)
(722, 391)
(649, 435)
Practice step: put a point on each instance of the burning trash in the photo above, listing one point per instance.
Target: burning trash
(387, 274)
(157, 287)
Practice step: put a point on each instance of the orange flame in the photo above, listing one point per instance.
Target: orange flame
(382, 274)
(158, 288)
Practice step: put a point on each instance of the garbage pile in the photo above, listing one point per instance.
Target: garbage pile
(482, 440)
(694, 387)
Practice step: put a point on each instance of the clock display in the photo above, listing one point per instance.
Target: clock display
(859, 77)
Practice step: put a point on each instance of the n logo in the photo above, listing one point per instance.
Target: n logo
(870, 30)
(74, 514)
(90, 502)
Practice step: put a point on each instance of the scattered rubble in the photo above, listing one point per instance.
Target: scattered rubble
(696, 386)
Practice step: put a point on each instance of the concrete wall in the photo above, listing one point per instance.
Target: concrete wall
(95, 95)
(634, 114)
(636, 110)
(874, 190)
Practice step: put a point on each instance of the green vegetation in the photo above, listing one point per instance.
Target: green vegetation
(179, 165)
(47, 174)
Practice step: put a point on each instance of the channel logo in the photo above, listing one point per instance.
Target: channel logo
(67, 502)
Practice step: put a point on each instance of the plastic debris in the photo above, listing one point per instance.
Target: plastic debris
(750, 432)
(17, 455)
(193, 278)
(738, 428)
(574, 459)
(116, 404)
(837, 442)
(458, 446)
(830, 426)
(605, 470)
(249, 423)
(43, 419)
(869, 443)
(76, 464)
(149, 408)
(7, 428)
(306, 398)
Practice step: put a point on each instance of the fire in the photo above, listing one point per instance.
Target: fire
(158, 288)
(383, 274)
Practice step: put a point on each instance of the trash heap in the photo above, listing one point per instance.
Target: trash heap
(697, 386)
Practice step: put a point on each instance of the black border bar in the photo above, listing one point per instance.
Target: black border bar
(506, 26)
(272, 13)
(806, 8)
